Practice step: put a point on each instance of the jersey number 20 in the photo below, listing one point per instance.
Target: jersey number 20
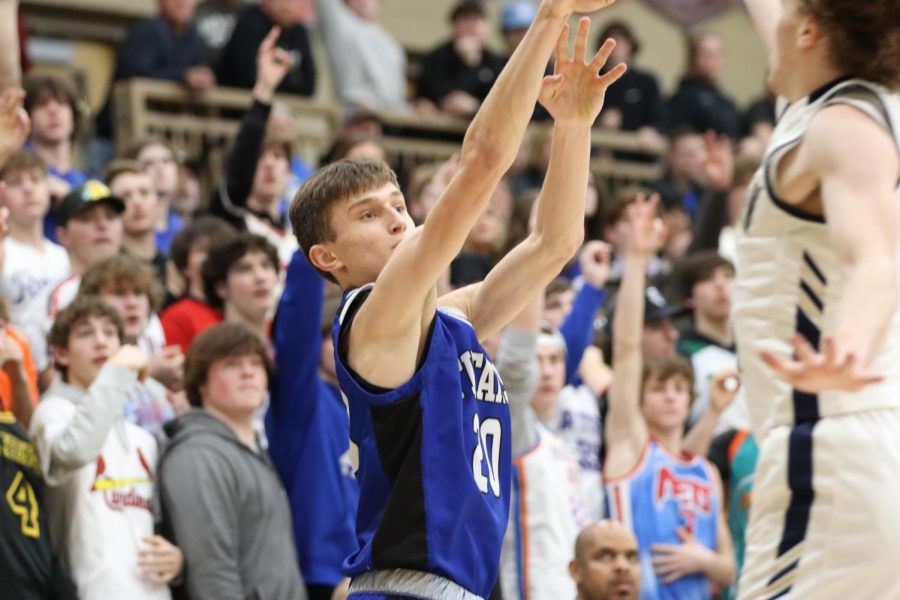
(489, 432)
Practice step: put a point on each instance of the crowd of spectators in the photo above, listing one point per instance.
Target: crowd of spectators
(171, 420)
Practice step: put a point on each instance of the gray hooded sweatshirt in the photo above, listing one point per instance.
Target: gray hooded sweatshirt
(224, 506)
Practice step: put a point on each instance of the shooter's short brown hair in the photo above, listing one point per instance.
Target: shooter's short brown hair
(312, 206)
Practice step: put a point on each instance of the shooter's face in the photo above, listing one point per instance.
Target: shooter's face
(368, 227)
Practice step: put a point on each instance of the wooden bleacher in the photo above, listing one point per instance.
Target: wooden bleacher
(202, 126)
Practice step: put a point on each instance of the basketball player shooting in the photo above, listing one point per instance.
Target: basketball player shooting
(816, 305)
(428, 412)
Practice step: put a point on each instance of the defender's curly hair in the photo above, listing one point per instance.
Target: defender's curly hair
(863, 36)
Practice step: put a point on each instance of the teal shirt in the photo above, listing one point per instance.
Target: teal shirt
(735, 454)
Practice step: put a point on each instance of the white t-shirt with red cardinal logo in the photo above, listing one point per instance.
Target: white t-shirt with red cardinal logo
(99, 471)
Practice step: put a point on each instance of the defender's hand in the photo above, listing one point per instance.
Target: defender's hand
(574, 93)
(813, 372)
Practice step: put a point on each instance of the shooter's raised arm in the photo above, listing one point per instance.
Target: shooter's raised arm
(573, 96)
(488, 151)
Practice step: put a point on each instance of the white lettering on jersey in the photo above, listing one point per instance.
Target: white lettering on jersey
(489, 434)
(483, 378)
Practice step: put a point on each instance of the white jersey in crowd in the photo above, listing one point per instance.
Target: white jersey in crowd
(789, 279)
(153, 338)
(99, 471)
(579, 425)
(545, 481)
(61, 296)
(29, 275)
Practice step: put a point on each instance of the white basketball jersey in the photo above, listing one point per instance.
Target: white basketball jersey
(789, 278)
(579, 426)
(545, 516)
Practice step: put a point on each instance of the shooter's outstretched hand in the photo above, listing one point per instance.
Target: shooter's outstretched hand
(574, 93)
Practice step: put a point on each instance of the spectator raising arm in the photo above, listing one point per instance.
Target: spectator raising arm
(626, 431)
(272, 64)
(23, 389)
(297, 339)
(10, 74)
(578, 328)
(14, 122)
(67, 440)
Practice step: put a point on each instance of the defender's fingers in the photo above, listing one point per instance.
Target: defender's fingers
(603, 54)
(562, 48)
(862, 381)
(829, 350)
(584, 26)
(804, 351)
(779, 365)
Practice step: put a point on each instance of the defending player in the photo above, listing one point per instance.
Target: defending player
(427, 410)
(817, 273)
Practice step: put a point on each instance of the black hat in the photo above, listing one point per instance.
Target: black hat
(657, 308)
(91, 193)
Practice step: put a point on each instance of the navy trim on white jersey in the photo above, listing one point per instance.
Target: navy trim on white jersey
(790, 209)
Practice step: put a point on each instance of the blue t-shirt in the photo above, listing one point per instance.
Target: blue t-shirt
(309, 432)
(663, 493)
(164, 237)
(434, 458)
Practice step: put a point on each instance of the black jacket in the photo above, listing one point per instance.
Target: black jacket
(700, 105)
(444, 72)
(237, 64)
(636, 95)
(151, 49)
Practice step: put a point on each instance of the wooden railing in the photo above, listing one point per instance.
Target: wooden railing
(202, 125)
(193, 122)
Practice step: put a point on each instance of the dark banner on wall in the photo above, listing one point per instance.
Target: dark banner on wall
(688, 12)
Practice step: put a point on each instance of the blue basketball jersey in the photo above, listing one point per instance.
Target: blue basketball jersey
(661, 494)
(434, 458)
